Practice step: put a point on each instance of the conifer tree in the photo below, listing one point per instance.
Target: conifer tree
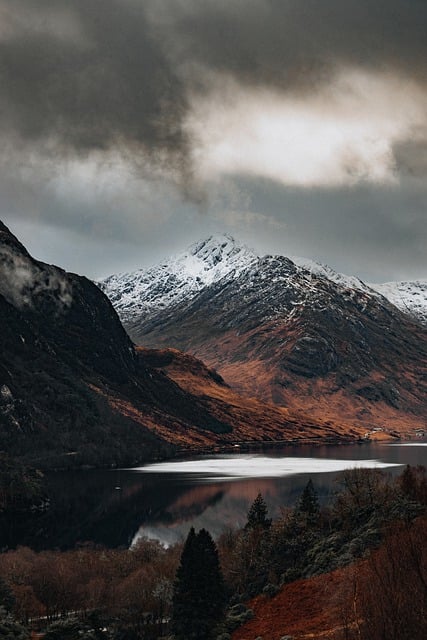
(408, 483)
(7, 599)
(308, 505)
(198, 599)
(254, 546)
(257, 515)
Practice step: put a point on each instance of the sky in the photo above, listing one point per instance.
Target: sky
(132, 128)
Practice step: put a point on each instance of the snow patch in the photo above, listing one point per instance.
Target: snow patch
(409, 297)
(327, 273)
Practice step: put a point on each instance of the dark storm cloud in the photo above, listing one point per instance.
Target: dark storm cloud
(104, 82)
(295, 44)
(119, 77)
(83, 76)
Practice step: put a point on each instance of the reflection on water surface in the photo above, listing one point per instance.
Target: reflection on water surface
(162, 501)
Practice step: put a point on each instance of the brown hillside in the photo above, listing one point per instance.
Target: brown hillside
(381, 597)
(311, 608)
(288, 337)
(251, 419)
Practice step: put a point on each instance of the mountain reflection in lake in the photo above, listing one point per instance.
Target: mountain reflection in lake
(216, 505)
(116, 507)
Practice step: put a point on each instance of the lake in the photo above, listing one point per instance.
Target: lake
(162, 501)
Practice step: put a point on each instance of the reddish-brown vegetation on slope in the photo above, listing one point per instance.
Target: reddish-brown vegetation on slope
(310, 608)
(252, 368)
(322, 398)
(381, 598)
(251, 419)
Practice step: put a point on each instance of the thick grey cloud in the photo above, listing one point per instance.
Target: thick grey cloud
(97, 151)
(120, 73)
(377, 233)
(297, 43)
(103, 83)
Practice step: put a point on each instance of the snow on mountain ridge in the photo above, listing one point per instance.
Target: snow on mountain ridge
(179, 278)
(409, 297)
(326, 272)
(213, 258)
(183, 276)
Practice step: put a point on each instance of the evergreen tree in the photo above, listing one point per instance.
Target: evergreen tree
(408, 483)
(199, 598)
(254, 548)
(308, 505)
(257, 515)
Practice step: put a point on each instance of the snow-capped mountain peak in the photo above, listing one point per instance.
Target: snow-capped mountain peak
(408, 297)
(178, 278)
(145, 293)
(211, 259)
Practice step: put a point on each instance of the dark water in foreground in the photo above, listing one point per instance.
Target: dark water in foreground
(115, 507)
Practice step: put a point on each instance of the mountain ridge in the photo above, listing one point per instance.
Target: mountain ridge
(410, 297)
(303, 337)
(180, 278)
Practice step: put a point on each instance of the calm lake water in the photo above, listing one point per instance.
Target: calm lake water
(162, 501)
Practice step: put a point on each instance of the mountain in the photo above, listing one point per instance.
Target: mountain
(146, 293)
(297, 335)
(74, 389)
(150, 291)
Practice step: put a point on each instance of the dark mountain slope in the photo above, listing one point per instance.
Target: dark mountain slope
(302, 341)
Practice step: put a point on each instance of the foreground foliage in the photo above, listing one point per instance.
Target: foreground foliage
(142, 592)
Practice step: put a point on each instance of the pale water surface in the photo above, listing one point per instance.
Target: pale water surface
(234, 467)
